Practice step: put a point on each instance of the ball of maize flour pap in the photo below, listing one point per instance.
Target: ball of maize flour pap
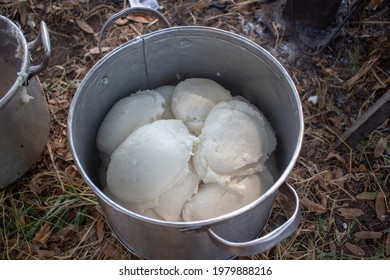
(259, 115)
(213, 199)
(233, 142)
(193, 99)
(168, 206)
(150, 161)
(125, 116)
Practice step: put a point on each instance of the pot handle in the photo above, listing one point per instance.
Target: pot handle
(267, 241)
(44, 40)
(128, 11)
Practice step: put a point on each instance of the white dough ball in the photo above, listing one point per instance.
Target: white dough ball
(193, 99)
(125, 116)
(233, 142)
(171, 203)
(150, 161)
(213, 199)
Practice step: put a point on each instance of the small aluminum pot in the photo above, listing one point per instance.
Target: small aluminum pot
(24, 115)
(167, 57)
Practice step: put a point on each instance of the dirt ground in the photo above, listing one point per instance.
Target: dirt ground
(51, 213)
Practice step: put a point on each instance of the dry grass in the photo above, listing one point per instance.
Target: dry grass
(50, 213)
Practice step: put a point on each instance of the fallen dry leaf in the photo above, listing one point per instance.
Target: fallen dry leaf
(39, 6)
(360, 169)
(12, 242)
(368, 234)
(66, 233)
(380, 147)
(314, 207)
(388, 244)
(50, 253)
(322, 98)
(122, 21)
(84, 26)
(69, 4)
(366, 196)
(200, 5)
(380, 207)
(43, 233)
(110, 252)
(337, 121)
(301, 172)
(81, 71)
(350, 213)
(355, 249)
(337, 156)
(310, 228)
(338, 176)
(286, 204)
(140, 18)
(100, 229)
(95, 50)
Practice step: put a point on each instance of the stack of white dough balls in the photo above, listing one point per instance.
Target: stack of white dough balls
(188, 152)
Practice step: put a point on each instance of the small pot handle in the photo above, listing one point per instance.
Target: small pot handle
(44, 40)
(128, 11)
(267, 241)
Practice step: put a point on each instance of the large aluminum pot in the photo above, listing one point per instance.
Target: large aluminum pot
(24, 115)
(167, 57)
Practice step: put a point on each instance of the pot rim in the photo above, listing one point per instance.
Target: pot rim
(195, 224)
(14, 31)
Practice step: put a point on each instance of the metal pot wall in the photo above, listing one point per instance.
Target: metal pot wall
(167, 57)
(24, 115)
